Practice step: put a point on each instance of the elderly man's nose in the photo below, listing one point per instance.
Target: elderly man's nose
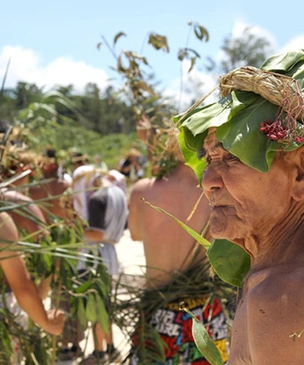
(212, 178)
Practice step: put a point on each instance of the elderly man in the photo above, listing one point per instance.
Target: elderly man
(253, 162)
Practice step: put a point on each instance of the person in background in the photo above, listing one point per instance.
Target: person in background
(100, 164)
(118, 179)
(171, 256)
(247, 149)
(54, 196)
(107, 216)
(18, 166)
(83, 173)
(51, 189)
(130, 166)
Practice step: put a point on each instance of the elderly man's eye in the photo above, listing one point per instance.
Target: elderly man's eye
(201, 153)
(208, 160)
(229, 157)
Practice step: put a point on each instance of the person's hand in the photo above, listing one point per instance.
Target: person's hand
(55, 322)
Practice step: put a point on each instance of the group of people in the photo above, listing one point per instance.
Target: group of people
(237, 179)
(97, 197)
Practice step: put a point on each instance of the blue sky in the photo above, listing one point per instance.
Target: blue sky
(54, 42)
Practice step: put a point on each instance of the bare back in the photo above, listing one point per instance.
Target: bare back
(167, 246)
(54, 188)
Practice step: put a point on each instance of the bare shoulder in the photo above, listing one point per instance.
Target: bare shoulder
(274, 311)
(278, 283)
(142, 186)
(64, 184)
(276, 297)
(29, 203)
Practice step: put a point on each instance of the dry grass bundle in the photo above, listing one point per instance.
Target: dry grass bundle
(162, 145)
(280, 90)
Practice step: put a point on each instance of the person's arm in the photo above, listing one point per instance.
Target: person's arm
(34, 223)
(20, 282)
(93, 234)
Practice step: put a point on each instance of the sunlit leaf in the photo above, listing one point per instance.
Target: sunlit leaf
(229, 261)
(204, 342)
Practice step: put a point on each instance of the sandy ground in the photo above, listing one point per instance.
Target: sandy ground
(132, 261)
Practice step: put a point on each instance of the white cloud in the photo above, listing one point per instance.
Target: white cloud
(240, 26)
(191, 87)
(25, 65)
(295, 43)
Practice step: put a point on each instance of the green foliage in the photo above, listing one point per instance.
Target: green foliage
(249, 49)
(34, 343)
(5, 344)
(229, 261)
(204, 342)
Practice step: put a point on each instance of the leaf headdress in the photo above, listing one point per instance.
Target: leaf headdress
(250, 97)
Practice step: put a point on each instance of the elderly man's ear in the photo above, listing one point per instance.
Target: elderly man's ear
(298, 188)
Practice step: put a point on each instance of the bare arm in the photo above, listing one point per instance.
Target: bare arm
(20, 282)
(93, 235)
(34, 224)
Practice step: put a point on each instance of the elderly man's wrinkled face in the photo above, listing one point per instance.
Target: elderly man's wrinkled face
(244, 202)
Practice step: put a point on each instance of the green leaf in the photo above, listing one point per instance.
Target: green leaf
(192, 161)
(204, 342)
(102, 314)
(194, 129)
(229, 261)
(248, 112)
(83, 287)
(81, 313)
(91, 310)
(283, 61)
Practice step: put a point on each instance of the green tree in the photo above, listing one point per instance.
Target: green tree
(250, 49)
(26, 93)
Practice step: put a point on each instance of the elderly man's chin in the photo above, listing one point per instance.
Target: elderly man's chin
(223, 228)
